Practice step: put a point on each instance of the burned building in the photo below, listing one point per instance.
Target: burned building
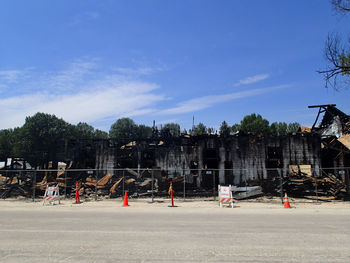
(233, 159)
(311, 162)
(334, 130)
(295, 162)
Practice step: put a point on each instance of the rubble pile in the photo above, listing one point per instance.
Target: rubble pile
(19, 185)
(327, 186)
(90, 185)
(93, 184)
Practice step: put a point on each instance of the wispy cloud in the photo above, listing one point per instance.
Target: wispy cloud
(91, 15)
(11, 76)
(84, 90)
(128, 99)
(79, 92)
(3, 87)
(83, 17)
(140, 70)
(74, 75)
(253, 79)
(204, 102)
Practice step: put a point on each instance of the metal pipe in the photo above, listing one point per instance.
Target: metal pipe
(214, 194)
(34, 185)
(96, 186)
(152, 186)
(65, 185)
(183, 172)
(246, 185)
(123, 183)
(316, 189)
(281, 184)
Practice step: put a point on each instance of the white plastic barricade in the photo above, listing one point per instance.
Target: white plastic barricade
(225, 195)
(51, 194)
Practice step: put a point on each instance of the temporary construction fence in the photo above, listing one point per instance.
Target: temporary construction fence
(297, 181)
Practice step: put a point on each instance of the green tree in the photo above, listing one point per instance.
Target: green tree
(235, 128)
(143, 131)
(184, 132)
(85, 131)
(38, 138)
(225, 130)
(211, 130)
(17, 142)
(293, 127)
(199, 129)
(41, 135)
(255, 125)
(123, 130)
(170, 130)
(100, 135)
(6, 144)
(274, 128)
(278, 128)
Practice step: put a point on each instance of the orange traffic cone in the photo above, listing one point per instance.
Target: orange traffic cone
(77, 198)
(125, 203)
(286, 202)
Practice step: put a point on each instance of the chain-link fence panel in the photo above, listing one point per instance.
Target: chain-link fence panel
(296, 180)
(16, 183)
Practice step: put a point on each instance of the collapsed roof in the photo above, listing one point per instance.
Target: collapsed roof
(334, 122)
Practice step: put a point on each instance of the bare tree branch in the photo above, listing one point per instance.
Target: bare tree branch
(341, 5)
(338, 59)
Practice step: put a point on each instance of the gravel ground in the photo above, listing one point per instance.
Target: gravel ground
(261, 202)
(259, 230)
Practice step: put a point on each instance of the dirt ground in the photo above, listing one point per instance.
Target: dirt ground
(261, 203)
(197, 230)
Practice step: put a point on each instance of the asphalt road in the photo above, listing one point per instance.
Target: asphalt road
(138, 234)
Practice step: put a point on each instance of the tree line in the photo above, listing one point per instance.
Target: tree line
(41, 133)
(39, 136)
(253, 124)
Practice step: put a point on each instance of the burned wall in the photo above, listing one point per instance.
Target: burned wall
(233, 159)
(106, 156)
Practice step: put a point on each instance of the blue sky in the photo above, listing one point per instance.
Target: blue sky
(97, 61)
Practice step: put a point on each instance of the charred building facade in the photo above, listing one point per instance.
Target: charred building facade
(311, 162)
(304, 161)
(334, 130)
(233, 158)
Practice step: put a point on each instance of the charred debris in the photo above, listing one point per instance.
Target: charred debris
(307, 163)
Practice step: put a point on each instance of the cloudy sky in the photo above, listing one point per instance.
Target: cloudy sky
(97, 61)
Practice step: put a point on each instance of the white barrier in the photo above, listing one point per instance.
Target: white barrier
(225, 195)
(51, 194)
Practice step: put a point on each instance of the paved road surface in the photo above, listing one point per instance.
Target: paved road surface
(139, 234)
